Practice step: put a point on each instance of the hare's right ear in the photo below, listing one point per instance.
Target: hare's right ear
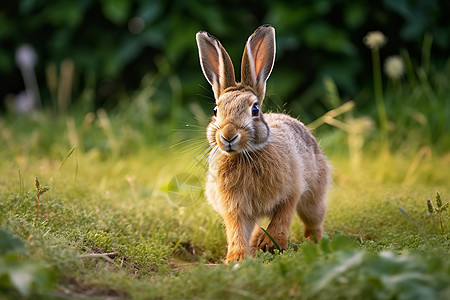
(258, 59)
(215, 62)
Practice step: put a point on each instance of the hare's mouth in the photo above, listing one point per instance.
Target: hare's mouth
(231, 151)
(229, 145)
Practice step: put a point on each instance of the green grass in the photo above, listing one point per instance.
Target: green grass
(147, 208)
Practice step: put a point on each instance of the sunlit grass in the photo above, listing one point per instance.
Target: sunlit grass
(148, 208)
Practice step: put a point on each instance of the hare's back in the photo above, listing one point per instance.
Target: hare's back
(290, 131)
(291, 136)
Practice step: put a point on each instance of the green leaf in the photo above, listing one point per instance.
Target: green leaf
(355, 14)
(10, 243)
(323, 277)
(342, 243)
(117, 11)
(150, 10)
(324, 243)
(322, 35)
(64, 13)
(310, 251)
(25, 276)
(21, 278)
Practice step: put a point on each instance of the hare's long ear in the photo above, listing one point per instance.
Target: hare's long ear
(215, 62)
(258, 59)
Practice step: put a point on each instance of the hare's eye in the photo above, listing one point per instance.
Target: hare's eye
(255, 110)
(215, 111)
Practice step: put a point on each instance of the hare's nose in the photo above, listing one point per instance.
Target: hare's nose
(227, 140)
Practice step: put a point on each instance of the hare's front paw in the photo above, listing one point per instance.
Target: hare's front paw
(236, 255)
(265, 243)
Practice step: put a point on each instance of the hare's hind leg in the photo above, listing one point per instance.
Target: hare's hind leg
(311, 210)
(312, 206)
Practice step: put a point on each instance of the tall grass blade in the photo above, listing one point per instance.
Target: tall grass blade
(325, 119)
(76, 169)
(314, 237)
(426, 52)
(21, 184)
(69, 154)
(409, 218)
(271, 238)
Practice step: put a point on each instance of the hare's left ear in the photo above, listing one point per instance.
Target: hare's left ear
(215, 62)
(258, 59)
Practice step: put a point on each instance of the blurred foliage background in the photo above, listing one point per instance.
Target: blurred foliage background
(93, 52)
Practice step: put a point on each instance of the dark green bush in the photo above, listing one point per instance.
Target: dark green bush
(114, 43)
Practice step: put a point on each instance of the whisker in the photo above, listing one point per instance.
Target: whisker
(201, 159)
(252, 160)
(208, 91)
(191, 148)
(247, 157)
(187, 141)
(214, 150)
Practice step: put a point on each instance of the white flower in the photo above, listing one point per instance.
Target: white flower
(26, 57)
(375, 40)
(394, 67)
(136, 25)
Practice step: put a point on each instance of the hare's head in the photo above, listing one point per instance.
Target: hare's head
(238, 124)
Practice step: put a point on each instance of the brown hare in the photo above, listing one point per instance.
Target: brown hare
(260, 165)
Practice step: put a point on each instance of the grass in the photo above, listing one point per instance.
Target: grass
(145, 211)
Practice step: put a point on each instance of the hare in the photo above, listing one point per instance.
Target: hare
(260, 165)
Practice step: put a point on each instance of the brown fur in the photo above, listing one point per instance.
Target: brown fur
(268, 165)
